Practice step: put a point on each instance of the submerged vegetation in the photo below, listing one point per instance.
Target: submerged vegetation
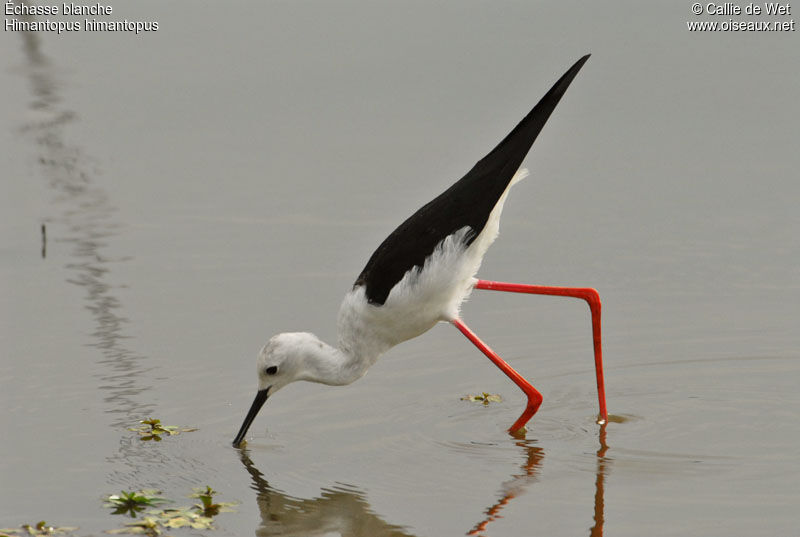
(154, 521)
(199, 516)
(484, 398)
(152, 429)
(41, 528)
(132, 503)
(207, 505)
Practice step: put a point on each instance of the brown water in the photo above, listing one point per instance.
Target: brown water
(227, 177)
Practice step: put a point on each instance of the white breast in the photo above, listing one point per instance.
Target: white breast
(423, 297)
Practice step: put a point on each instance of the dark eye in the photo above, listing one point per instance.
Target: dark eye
(271, 370)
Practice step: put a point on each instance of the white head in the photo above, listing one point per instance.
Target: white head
(284, 359)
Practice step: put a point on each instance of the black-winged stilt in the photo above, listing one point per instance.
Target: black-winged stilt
(421, 274)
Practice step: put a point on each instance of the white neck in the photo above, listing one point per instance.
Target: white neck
(356, 351)
(329, 365)
(358, 347)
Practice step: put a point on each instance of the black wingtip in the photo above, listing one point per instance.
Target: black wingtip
(505, 159)
(468, 202)
(548, 103)
(578, 64)
(551, 98)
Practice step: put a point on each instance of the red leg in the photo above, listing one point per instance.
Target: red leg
(586, 293)
(534, 397)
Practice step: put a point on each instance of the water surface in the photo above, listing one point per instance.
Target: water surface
(227, 177)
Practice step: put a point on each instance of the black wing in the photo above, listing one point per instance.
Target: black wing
(467, 203)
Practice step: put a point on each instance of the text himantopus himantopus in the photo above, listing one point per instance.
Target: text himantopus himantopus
(421, 274)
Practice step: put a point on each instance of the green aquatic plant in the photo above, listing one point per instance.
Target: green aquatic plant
(185, 517)
(133, 502)
(198, 516)
(484, 398)
(152, 429)
(41, 528)
(208, 507)
(146, 526)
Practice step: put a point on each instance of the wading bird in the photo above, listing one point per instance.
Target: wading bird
(420, 275)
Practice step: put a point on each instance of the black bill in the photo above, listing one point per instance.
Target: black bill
(258, 402)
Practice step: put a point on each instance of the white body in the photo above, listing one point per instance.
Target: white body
(422, 298)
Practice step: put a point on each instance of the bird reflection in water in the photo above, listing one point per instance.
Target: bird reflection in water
(599, 485)
(515, 486)
(534, 455)
(342, 510)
